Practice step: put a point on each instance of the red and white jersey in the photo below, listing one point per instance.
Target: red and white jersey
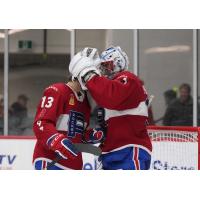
(52, 117)
(125, 101)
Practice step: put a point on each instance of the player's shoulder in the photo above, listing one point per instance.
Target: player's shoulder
(129, 76)
(57, 88)
(124, 74)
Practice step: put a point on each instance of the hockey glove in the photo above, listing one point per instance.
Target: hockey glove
(94, 136)
(62, 146)
(84, 65)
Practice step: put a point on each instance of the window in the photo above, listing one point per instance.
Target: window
(38, 58)
(165, 58)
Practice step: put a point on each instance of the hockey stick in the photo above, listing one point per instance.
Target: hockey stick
(87, 148)
(150, 100)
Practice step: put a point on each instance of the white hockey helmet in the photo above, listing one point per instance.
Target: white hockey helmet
(114, 60)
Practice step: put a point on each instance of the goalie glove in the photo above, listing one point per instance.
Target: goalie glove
(62, 146)
(90, 53)
(84, 65)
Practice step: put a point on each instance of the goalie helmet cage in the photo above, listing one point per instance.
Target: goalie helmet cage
(175, 147)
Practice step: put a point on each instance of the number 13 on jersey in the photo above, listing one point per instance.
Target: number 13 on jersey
(47, 102)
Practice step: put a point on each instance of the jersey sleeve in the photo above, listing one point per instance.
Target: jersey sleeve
(113, 94)
(50, 107)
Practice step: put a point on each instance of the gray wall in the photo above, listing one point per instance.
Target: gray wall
(122, 38)
(92, 38)
(164, 70)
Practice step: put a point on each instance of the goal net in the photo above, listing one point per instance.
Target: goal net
(174, 148)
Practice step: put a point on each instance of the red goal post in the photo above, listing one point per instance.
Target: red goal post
(175, 147)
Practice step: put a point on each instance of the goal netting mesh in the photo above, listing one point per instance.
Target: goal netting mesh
(174, 147)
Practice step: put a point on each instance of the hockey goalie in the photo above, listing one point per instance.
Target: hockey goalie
(121, 93)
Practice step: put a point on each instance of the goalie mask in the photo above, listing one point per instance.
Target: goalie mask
(113, 60)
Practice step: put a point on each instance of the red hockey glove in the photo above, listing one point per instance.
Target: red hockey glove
(94, 136)
(62, 146)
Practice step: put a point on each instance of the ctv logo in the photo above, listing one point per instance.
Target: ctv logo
(159, 165)
(7, 159)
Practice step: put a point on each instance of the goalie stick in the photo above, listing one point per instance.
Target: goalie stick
(87, 148)
(150, 100)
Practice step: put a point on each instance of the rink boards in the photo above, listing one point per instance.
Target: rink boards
(16, 153)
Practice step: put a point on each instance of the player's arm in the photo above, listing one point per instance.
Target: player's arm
(111, 94)
(49, 109)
